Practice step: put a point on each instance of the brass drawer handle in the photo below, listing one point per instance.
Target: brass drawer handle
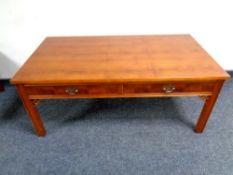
(169, 88)
(71, 90)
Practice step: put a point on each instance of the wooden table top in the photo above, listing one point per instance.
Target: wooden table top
(64, 60)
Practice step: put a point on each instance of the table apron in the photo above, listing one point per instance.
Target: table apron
(120, 90)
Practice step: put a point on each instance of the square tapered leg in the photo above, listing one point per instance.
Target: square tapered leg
(32, 111)
(208, 107)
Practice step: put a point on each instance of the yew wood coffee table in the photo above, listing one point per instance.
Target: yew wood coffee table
(119, 67)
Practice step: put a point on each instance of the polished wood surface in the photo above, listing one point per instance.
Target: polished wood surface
(1, 86)
(119, 67)
(92, 89)
(120, 90)
(159, 87)
(60, 60)
(208, 107)
(32, 111)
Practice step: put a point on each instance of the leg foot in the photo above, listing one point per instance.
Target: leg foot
(1, 87)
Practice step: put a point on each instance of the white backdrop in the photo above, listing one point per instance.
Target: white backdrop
(25, 23)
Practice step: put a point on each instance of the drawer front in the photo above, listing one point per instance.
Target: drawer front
(168, 88)
(74, 90)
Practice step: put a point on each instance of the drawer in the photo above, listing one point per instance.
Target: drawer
(74, 90)
(168, 88)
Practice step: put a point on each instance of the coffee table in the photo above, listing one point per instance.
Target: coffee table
(119, 67)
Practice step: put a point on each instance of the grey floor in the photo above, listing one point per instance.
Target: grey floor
(117, 136)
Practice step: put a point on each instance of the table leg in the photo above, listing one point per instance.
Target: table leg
(32, 111)
(1, 86)
(208, 106)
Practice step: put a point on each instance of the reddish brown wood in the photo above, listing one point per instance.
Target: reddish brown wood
(208, 107)
(180, 87)
(149, 58)
(197, 88)
(91, 89)
(32, 111)
(1, 87)
(119, 66)
(130, 95)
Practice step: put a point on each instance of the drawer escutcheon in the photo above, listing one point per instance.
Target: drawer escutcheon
(169, 88)
(71, 90)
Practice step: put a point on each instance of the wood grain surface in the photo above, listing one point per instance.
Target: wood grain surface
(148, 58)
(1, 87)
